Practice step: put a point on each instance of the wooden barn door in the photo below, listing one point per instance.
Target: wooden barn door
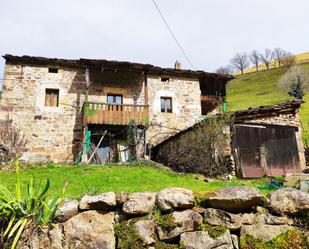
(265, 150)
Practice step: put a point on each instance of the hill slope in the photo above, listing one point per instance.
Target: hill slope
(299, 59)
(256, 89)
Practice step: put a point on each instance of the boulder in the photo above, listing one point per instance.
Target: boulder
(263, 232)
(289, 201)
(90, 229)
(139, 203)
(292, 180)
(105, 201)
(175, 198)
(121, 198)
(146, 230)
(236, 199)
(202, 240)
(265, 218)
(47, 238)
(217, 217)
(68, 209)
(187, 221)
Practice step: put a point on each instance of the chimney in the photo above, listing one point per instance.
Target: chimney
(177, 64)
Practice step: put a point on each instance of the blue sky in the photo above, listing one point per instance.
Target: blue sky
(211, 32)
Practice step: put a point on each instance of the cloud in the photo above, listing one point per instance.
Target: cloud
(211, 32)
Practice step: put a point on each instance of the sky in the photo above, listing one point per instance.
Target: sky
(210, 32)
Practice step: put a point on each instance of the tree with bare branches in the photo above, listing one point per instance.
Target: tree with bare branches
(255, 59)
(266, 57)
(288, 59)
(278, 54)
(240, 62)
(225, 70)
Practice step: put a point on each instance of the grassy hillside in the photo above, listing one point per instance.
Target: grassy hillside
(299, 59)
(256, 89)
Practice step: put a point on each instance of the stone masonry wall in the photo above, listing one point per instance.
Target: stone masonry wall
(179, 219)
(186, 106)
(55, 133)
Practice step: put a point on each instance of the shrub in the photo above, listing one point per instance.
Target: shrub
(295, 82)
(127, 236)
(29, 208)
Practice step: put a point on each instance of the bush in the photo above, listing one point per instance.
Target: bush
(29, 208)
(12, 142)
(295, 82)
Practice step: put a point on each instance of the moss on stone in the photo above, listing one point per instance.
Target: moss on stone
(292, 239)
(166, 222)
(127, 236)
(201, 198)
(213, 231)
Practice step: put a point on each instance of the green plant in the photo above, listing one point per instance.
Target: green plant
(127, 236)
(213, 231)
(166, 222)
(132, 140)
(28, 208)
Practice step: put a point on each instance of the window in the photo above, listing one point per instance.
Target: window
(52, 70)
(52, 97)
(114, 99)
(165, 79)
(166, 104)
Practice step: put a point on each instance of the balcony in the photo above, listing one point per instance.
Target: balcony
(115, 114)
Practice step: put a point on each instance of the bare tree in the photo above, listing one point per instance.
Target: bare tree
(278, 54)
(266, 57)
(295, 82)
(255, 59)
(224, 70)
(288, 59)
(240, 61)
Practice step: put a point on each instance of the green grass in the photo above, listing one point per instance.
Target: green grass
(257, 89)
(96, 179)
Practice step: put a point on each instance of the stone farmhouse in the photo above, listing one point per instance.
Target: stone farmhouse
(61, 105)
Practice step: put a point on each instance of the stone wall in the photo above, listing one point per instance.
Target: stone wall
(186, 105)
(177, 218)
(56, 133)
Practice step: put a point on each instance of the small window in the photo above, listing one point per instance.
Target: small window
(52, 70)
(165, 79)
(52, 97)
(166, 104)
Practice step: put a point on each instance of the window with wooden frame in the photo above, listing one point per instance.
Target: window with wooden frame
(166, 104)
(52, 97)
(115, 99)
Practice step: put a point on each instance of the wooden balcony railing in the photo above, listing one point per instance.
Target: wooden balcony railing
(112, 114)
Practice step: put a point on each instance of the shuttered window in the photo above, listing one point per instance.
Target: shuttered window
(52, 97)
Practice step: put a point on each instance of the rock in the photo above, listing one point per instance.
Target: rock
(51, 239)
(90, 229)
(251, 218)
(202, 240)
(175, 198)
(217, 217)
(235, 241)
(236, 199)
(289, 201)
(292, 180)
(146, 230)
(121, 198)
(187, 221)
(263, 232)
(105, 201)
(68, 209)
(139, 203)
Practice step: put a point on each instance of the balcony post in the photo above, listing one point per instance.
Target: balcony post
(146, 87)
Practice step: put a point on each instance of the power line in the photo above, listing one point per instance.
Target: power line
(173, 35)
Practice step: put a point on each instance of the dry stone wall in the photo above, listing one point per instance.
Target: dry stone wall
(175, 218)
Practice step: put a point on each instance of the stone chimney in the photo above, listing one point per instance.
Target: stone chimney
(177, 64)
